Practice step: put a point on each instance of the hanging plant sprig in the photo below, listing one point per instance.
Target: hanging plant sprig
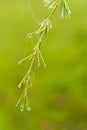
(35, 58)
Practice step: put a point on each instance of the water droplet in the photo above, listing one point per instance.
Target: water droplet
(31, 84)
(28, 108)
(38, 65)
(19, 86)
(29, 35)
(19, 63)
(45, 66)
(21, 110)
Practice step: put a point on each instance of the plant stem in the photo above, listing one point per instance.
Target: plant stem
(44, 28)
(38, 44)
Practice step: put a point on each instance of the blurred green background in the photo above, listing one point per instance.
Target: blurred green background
(59, 93)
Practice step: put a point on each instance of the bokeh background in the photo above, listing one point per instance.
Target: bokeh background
(59, 93)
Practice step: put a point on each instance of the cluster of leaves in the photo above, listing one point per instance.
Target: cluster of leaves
(36, 56)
